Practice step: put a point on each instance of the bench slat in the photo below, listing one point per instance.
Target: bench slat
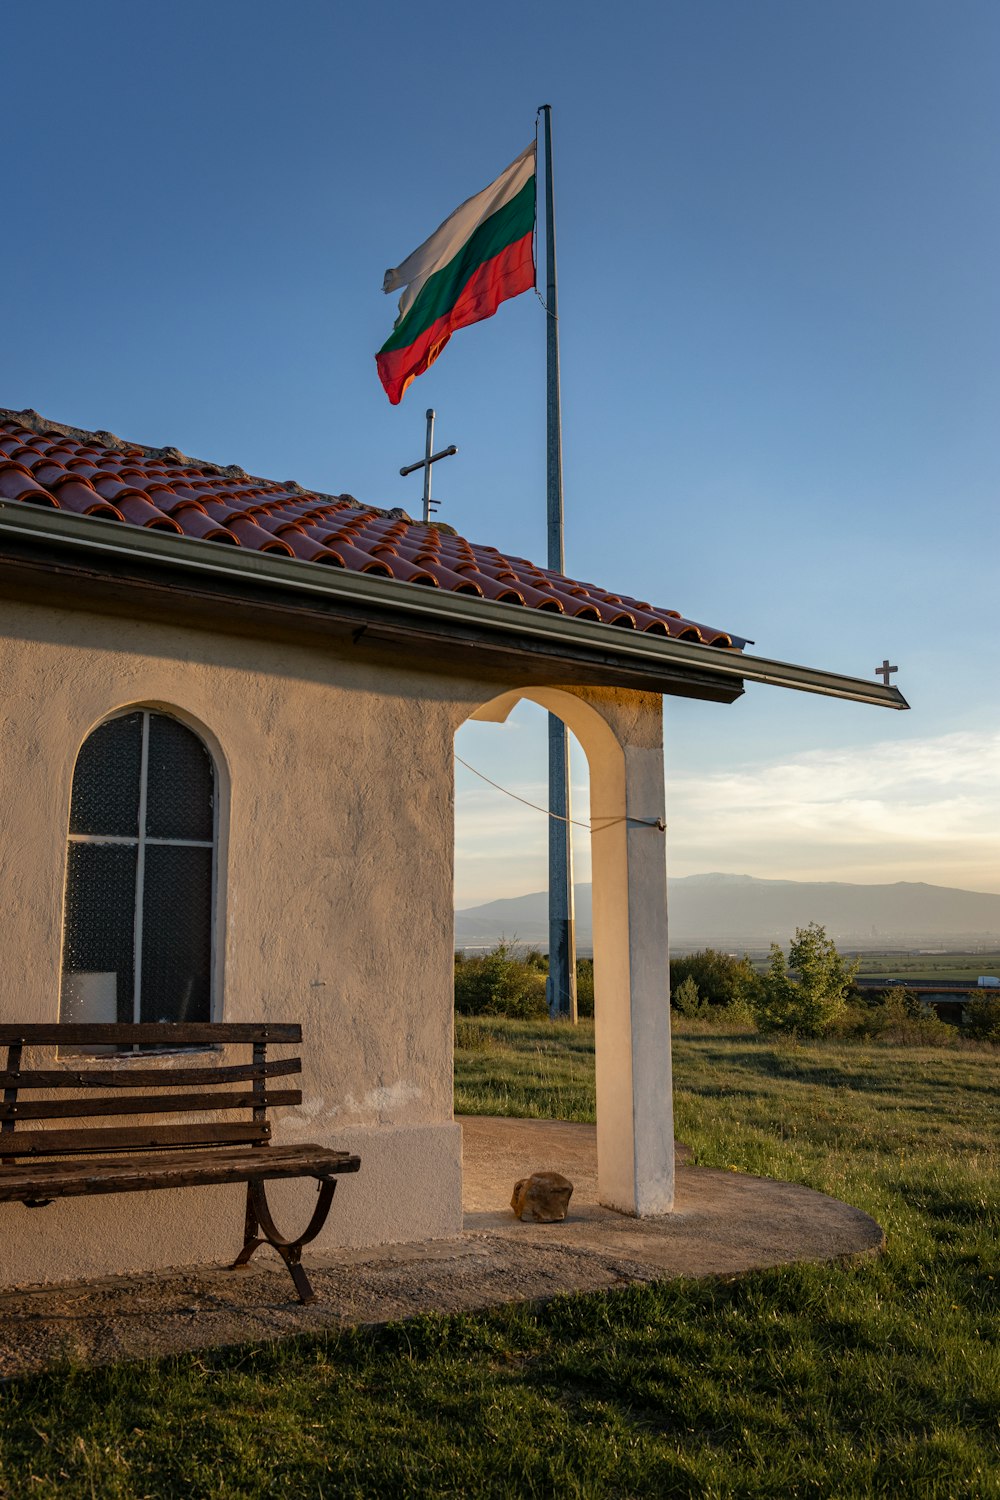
(128, 1077)
(187, 1169)
(147, 1033)
(10, 1094)
(128, 1138)
(141, 1104)
(37, 1167)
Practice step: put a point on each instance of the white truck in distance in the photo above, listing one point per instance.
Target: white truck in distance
(988, 982)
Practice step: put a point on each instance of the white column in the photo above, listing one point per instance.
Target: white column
(635, 1135)
(622, 733)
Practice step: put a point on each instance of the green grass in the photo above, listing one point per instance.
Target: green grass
(879, 1379)
(537, 1070)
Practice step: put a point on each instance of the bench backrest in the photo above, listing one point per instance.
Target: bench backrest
(166, 1088)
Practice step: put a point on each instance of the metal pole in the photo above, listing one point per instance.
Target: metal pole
(427, 464)
(562, 935)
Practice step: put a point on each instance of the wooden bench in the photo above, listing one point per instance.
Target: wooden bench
(116, 1158)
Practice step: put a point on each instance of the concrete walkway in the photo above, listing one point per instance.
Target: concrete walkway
(724, 1224)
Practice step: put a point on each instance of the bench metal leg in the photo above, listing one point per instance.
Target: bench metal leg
(259, 1218)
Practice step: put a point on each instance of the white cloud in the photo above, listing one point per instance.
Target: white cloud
(912, 810)
(918, 810)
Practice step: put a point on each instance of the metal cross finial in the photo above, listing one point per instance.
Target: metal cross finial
(425, 463)
(885, 671)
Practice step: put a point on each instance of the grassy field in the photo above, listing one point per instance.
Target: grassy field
(881, 1379)
(965, 966)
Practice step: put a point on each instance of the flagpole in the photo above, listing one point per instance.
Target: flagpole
(562, 935)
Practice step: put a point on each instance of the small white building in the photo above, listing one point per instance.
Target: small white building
(227, 792)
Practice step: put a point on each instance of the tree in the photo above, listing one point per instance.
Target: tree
(808, 995)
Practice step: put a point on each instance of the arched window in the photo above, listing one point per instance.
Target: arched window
(137, 942)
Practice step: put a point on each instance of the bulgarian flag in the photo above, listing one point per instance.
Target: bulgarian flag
(479, 257)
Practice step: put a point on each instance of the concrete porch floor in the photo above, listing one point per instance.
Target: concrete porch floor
(724, 1224)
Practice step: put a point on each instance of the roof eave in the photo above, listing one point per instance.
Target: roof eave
(709, 671)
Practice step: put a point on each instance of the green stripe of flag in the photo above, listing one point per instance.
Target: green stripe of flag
(440, 292)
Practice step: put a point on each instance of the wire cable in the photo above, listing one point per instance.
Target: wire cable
(558, 817)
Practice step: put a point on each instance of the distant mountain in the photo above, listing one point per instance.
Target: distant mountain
(739, 911)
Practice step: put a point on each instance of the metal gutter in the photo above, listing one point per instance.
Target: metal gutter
(96, 538)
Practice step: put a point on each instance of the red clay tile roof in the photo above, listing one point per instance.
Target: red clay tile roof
(96, 474)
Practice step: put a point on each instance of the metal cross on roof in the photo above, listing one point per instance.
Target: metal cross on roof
(425, 463)
(885, 671)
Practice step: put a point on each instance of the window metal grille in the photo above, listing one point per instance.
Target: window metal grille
(140, 874)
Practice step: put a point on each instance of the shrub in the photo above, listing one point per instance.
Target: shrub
(734, 1019)
(982, 1019)
(811, 1002)
(499, 983)
(720, 978)
(898, 1016)
(510, 982)
(585, 986)
(687, 1001)
(738, 1015)
(903, 1002)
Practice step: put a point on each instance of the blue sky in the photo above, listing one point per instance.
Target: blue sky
(778, 232)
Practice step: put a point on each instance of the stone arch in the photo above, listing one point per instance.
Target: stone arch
(621, 733)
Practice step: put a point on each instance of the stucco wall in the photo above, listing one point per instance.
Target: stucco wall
(335, 891)
(335, 899)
